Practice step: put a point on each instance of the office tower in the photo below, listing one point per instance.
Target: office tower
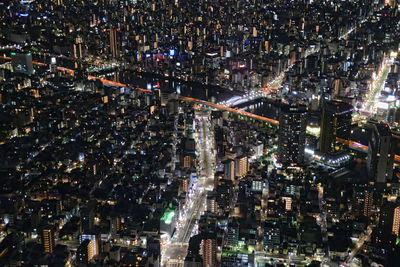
(114, 49)
(186, 161)
(94, 239)
(115, 225)
(389, 217)
(78, 49)
(22, 63)
(362, 200)
(272, 235)
(36, 218)
(288, 203)
(229, 170)
(233, 234)
(212, 202)
(237, 259)
(78, 42)
(396, 221)
(337, 87)
(241, 166)
(368, 200)
(53, 64)
(335, 123)
(380, 154)
(87, 219)
(393, 114)
(168, 220)
(84, 254)
(209, 251)
(292, 133)
(48, 239)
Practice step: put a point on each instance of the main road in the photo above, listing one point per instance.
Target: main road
(175, 250)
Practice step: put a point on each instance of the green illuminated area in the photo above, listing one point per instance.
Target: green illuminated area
(168, 216)
(240, 249)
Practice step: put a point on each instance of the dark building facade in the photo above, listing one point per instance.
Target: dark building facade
(292, 133)
(335, 123)
(380, 153)
(22, 63)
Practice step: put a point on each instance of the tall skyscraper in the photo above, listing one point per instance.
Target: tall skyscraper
(22, 63)
(209, 251)
(87, 219)
(241, 166)
(368, 201)
(78, 49)
(48, 239)
(229, 170)
(389, 217)
(292, 133)
(114, 48)
(94, 239)
(84, 254)
(362, 200)
(233, 234)
(396, 221)
(186, 161)
(272, 235)
(380, 153)
(335, 123)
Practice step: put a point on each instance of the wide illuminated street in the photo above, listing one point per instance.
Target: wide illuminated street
(175, 250)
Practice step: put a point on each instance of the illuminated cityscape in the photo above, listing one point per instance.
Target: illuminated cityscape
(200, 133)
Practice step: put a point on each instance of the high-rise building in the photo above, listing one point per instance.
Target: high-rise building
(288, 203)
(233, 234)
(78, 47)
(362, 200)
(396, 221)
(212, 204)
(94, 239)
(87, 219)
(368, 200)
(380, 153)
(84, 254)
(272, 235)
(241, 166)
(48, 239)
(22, 63)
(53, 64)
(229, 170)
(389, 217)
(292, 133)
(114, 49)
(237, 259)
(335, 123)
(186, 161)
(115, 225)
(209, 247)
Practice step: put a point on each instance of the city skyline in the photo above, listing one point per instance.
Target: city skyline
(200, 133)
